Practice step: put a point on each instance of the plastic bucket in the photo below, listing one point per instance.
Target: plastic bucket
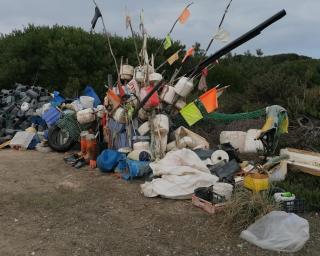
(87, 101)
(191, 113)
(210, 100)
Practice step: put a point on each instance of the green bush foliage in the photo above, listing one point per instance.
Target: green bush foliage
(68, 58)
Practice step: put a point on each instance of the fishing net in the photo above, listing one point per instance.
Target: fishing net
(227, 118)
(69, 122)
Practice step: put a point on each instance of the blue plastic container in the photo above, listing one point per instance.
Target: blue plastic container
(89, 91)
(122, 166)
(136, 169)
(108, 160)
(57, 99)
(51, 116)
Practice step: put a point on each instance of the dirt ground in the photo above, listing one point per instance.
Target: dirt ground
(49, 208)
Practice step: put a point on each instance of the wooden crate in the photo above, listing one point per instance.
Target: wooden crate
(207, 206)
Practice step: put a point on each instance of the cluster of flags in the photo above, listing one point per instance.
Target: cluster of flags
(182, 19)
(197, 109)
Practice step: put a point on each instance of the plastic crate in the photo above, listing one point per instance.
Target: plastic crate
(207, 206)
(293, 206)
(51, 116)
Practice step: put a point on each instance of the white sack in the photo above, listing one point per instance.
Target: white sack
(278, 231)
(181, 171)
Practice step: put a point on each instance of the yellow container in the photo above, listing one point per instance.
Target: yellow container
(256, 181)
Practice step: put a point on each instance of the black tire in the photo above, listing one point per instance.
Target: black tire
(55, 142)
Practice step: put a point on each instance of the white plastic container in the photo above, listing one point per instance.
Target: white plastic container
(139, 74)
(150, 69)
(133, 86)
(76, 105)
(100, 111)
(126, 72)
(236, 138)
(161, 144)
(133, 101)
(185, 142)
(171, 146)
(86, 116)
(155, 77)
(161, 123)
(142, 145)
(22, 140)
(180, 104)
(120, 115)
(142, 114)
(144, 128)
(167, 94)
(184, 86)
(86, 101)
(251, 144)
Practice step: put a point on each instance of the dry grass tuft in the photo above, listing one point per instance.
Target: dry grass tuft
(245, 207)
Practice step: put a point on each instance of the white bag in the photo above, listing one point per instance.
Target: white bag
(278, 231)
(181, 171)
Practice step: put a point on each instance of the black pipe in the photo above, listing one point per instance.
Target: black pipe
(236, 43)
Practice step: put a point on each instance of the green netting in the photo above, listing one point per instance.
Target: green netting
(69, 122)
(225, 118)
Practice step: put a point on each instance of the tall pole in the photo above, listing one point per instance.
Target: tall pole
(109, 43)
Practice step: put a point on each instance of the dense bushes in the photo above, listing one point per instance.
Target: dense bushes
(68, 58)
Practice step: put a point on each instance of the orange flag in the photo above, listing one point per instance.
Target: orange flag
(189, 53)
(184, 15)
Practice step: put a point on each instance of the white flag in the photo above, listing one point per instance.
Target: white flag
(222, 36)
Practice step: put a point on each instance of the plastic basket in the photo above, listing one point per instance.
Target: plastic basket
(293, 206)
(256, 181)
(210, 100)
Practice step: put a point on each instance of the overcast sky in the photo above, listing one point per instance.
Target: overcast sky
(298, 32)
